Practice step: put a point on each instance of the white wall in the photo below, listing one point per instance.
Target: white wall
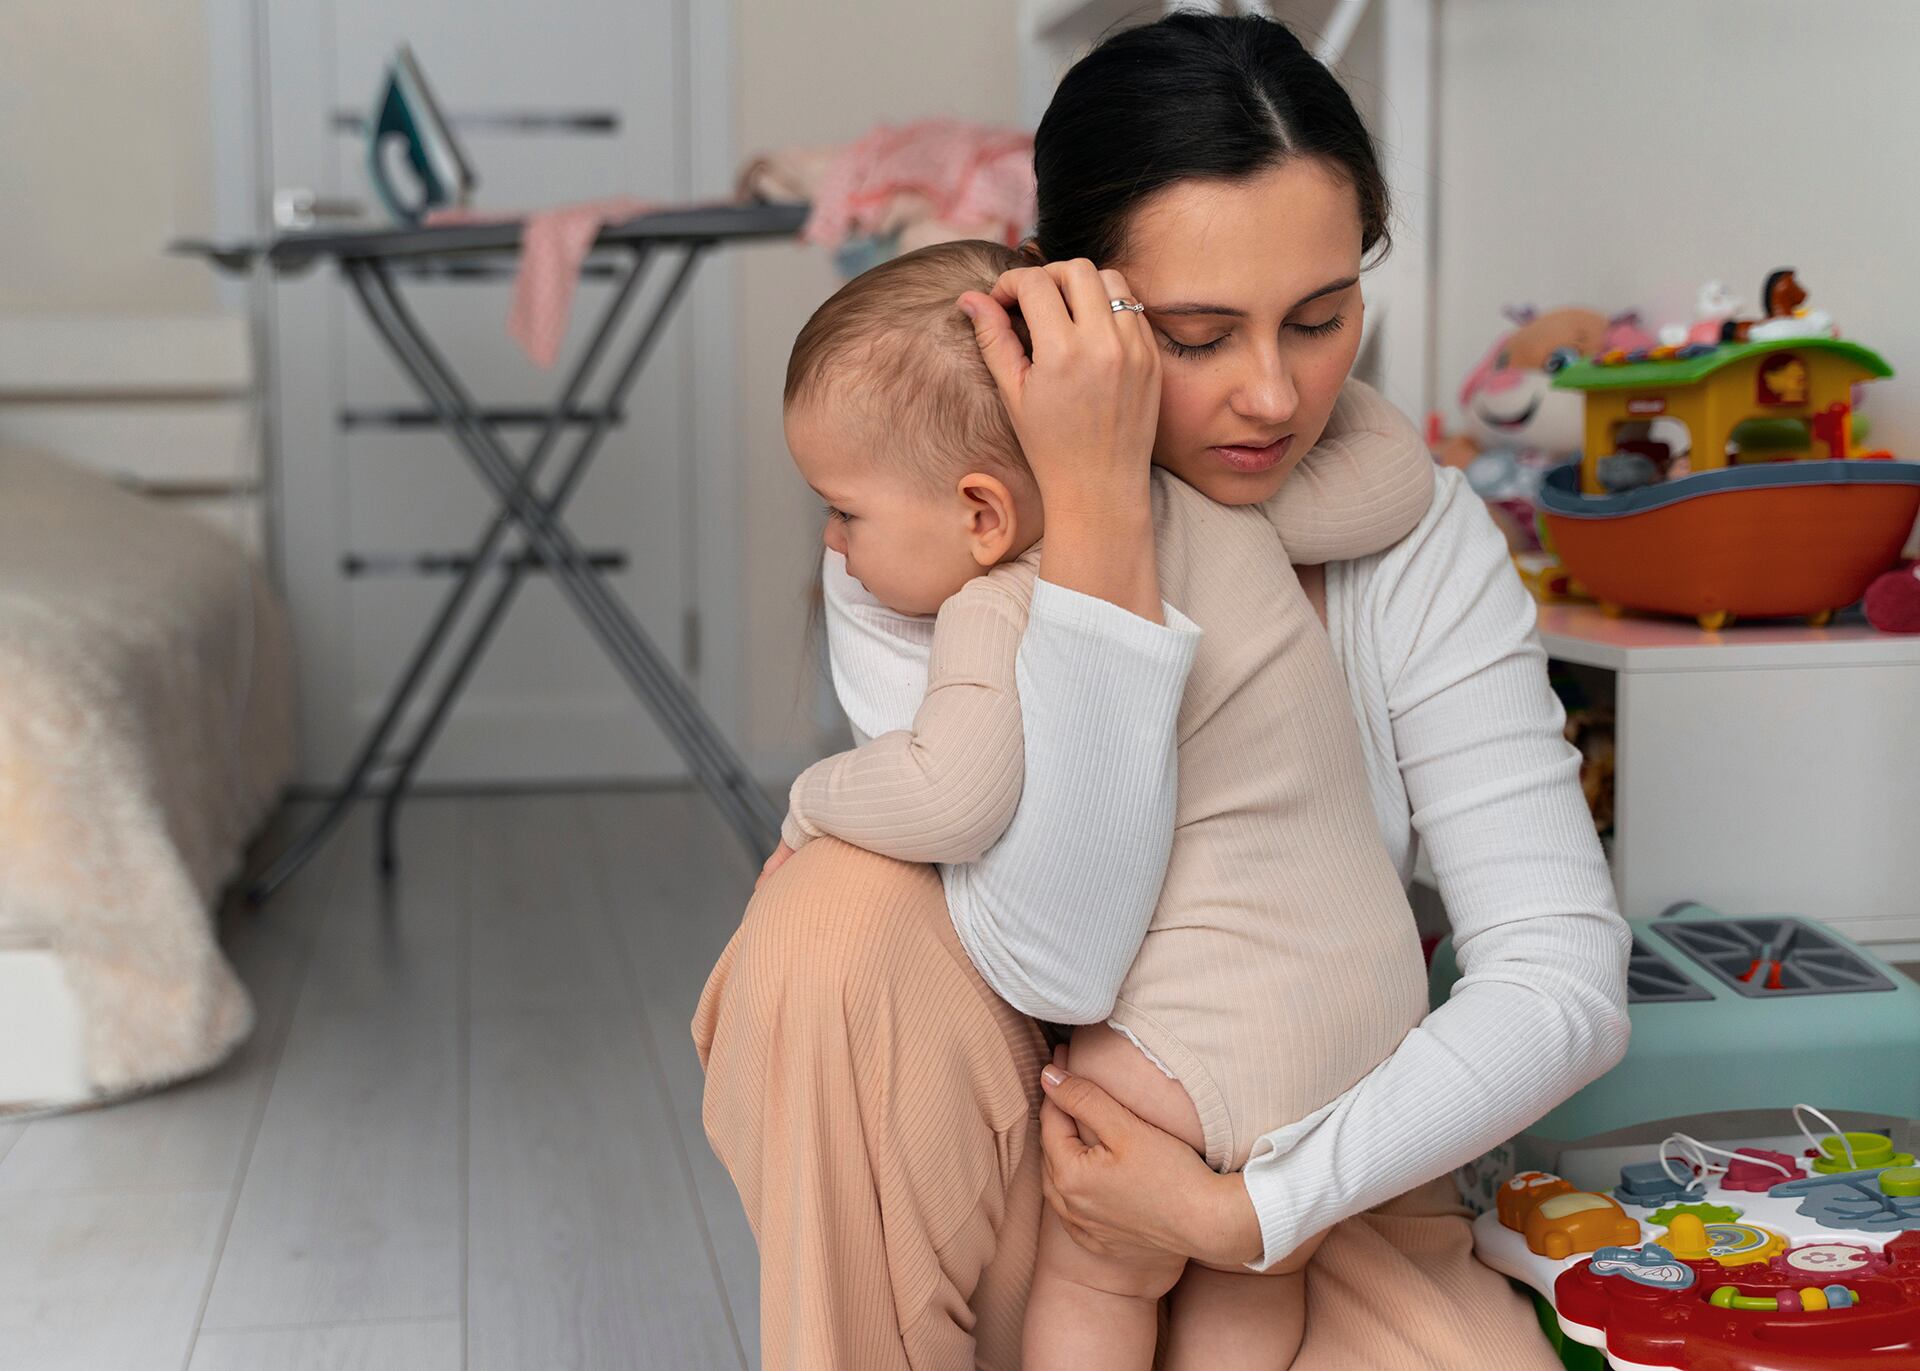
(1618, 154)
(104, 103)
(1613, 154)
(813, 73)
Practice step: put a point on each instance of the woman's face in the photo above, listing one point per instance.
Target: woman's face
(1252, 288)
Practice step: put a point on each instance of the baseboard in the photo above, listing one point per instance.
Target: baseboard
(42, 1054)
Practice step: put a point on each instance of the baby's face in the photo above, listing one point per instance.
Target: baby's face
(907, 545)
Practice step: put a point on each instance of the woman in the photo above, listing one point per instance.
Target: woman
(877, 1102)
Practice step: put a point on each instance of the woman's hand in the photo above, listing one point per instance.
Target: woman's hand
(1138, 1189)
(1086, 403)
(1084, 406)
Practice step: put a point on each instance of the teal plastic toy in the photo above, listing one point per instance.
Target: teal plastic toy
(1738, 1012)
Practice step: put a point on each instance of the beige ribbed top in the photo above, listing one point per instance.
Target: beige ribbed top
(1465, 757)
(1281, 963)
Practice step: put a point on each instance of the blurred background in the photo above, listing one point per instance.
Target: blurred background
(1545, 154)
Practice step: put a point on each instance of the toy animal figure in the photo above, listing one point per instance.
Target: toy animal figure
(1713, 307)
(1784, 299)
(1517, 426)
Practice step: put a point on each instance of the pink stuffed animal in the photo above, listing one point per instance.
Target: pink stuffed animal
(1517, 425)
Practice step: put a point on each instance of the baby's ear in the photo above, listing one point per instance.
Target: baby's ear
(992, 522)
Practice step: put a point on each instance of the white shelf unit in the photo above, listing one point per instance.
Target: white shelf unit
(1759, 770)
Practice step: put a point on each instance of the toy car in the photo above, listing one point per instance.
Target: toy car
(1558, 1220)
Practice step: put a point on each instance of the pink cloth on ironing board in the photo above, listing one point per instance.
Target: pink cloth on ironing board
(941, 170)
(553, 246)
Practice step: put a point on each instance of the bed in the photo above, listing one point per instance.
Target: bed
(146, 730)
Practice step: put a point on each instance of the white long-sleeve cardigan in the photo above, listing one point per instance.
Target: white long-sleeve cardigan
(1464, 751)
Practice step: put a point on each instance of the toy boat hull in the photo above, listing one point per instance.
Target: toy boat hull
(1783, 539)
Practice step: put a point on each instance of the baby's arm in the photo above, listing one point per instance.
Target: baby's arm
(945, 789)
(1361, 489)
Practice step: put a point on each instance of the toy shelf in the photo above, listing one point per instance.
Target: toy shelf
(1765, 769)
(1582, 634)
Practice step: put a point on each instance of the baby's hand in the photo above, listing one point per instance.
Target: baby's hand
(773, 864)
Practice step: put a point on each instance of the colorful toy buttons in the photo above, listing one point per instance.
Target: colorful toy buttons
(1652, 1184)
(1750, 1170)
(1859, 1152)
(1729, 1244)
(1811, 1298)
(1651, 1265)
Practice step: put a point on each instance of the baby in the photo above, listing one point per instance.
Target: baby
(1281, 964)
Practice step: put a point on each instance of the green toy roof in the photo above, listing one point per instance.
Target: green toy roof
(1683, 372)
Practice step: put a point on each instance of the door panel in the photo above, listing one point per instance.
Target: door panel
(358, 489)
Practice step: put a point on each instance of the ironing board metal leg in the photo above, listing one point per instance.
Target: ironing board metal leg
(576, 465)
(359, 773)
(713, 761)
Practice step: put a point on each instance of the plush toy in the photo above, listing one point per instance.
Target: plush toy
(1892, 602)
(1517, 426)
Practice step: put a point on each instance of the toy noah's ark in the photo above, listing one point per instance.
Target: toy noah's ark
(1773, 513)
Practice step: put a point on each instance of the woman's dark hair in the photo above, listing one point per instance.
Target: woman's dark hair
(1191, 95)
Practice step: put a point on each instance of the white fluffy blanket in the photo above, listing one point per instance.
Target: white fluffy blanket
(146, 726)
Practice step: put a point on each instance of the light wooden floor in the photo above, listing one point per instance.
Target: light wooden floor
(465, 1134)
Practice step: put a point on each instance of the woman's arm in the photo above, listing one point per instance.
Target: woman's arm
(1054, 912)
(1084, 405)
(1540, 1008)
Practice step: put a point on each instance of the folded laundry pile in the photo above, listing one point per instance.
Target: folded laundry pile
(903, 187)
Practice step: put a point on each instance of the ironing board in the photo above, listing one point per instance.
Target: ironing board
(366, 258)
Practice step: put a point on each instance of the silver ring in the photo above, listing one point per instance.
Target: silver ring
(1124, 307)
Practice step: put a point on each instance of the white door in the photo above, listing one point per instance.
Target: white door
(563, 101)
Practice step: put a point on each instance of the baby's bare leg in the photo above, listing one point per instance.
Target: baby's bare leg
(1223, 1318)
(1227, 1320)
(1091, 1311)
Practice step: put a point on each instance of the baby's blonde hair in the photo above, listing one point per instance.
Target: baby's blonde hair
(893, 346)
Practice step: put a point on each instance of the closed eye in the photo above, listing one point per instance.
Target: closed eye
(1322, 329)
(839, 514)
(1180, 349)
